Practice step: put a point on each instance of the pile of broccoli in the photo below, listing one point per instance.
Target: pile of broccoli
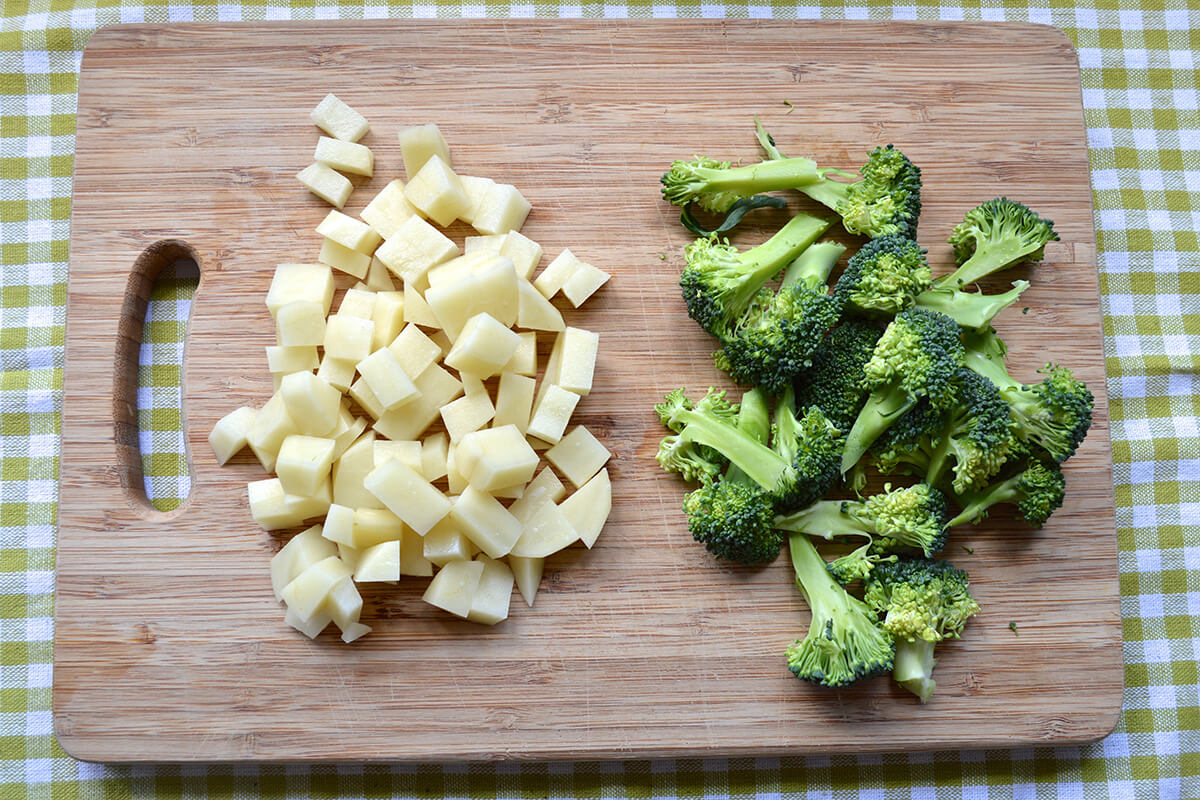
(886, 370)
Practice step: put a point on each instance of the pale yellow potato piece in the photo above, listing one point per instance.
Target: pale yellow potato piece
(483, 347)
(501, 209)
(388, 317)
(388, 210)
(524, 252)
(375, 525)
(347, 432)
(311, 402)
(486, 522)
(476, 189)
(556, 273)
(414, 350)
(412, 555)
(468, 413)
(354, 632)
(455, 480)
(437, 387)
(527, 572)
(493, 290)
(307, 592)
(433, 456)
(420, 142)
(588, 507)
(337, 372)
(349, 232)
(524, 361)
(311, 627)
(343, 603)
(349, 555)
(407, 495)
(546, 532)
(272, 424)
(301, 552)
(578, 364)
(387, 379)
(348, 337)
(583, 283)
(437, 192)
(339, 120)
(231, 433)
(453, 587)
(292, 282)
(358, 303)
(416, 310)
(545, 488)
(490, 600)
(514, 401)
(496, 458)
(578, 455)
(488, 243)
(379, 279)
(445, 543)
(273, 508)
(311, 506)
(380, 562)
(339, 525)
(300, 323)
(509, 492)
(350, 470)
(408, 452)
(535, 311)
(304, 463)
(552, 414)
(443, 342)
(332, 187)
(415, 247)
(461, 267)
(343, 156)
(364, 395)
(283, 360)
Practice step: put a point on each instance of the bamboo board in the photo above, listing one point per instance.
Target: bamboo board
(168, 643)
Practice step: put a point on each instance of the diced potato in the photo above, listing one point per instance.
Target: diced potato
(460, 268)
(416, 310)
(311, 506)
(483, 347)
(291, 282)
(552, 414)
(414, 350)
(443, 342)
(588, 508)
(583, 283)
(527, 572)
(524, 361)
(337, 372)
(476, 189)
(301, 552)
(524, 252)
(437, 192)
(272, 424)
(455, 480)
(409, 453)
(437, 387)
(387, 379)
(345, 156)
(378, 277)
(349, 232)
(579, 455)
(545, 488)
(304, 463)
(535, 311)
(546, 531)
(493, 290)
(490, 600)
(375, 525)
(407, 495)
(312, 403)
(578, 362)
(306, 594)
(467, 413)
(501, 209)
(348, 337)
(414, 248)
(338, 119)
(358, 303)
(355, 632)
(269, 505)
(513, 492)
(486, 522)
(433, 456)
(453, 587)
(283, 360)
(349, 555)
(498, 458)
(388, 210)
(388, 317)
(300, 323)
(420, 142)
(472, 384)
(351, 469)
(231, 433)
(557, 273)
(339, 525)
(346, 432)
(344, 603)
(412, 555)
(514, 401)
(332, 187)
(380, 562)
(487, 243)
(445, 543)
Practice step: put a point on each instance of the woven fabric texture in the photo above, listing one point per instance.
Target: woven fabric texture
(1141, 93)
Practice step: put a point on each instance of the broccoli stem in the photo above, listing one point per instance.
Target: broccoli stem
(760, 463)
(990, 256)
(992, 368)
(970, 310)
(825, 518)
(753, 419)
(812, 267)
(975, 505)
(766, 176)
(815, 583)
(826, 192)
(767, 259)
(913, 668)
(884, 405)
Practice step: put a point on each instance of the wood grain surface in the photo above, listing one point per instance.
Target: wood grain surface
(168, 643)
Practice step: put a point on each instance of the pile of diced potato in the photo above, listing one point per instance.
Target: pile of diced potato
(410, 421)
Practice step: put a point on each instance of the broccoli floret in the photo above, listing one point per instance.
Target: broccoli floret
(977, 432)
(719, 282)
(717, 185)
(834, 383)
(885, 276)
(917, 356)
(844, 643)
(695, 462)
(776, 338)
(1036, 490)
(811, 444)
(732, 519)
(886, 201)
(971, 310)
(909, 444)
(753, 419)
(912, 517)
(1054, 415)
(996, 235)
(922, 602)
(857, 564)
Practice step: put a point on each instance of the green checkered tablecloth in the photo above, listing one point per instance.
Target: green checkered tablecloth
(1141, 94)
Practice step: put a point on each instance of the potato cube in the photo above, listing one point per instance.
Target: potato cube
(231, 433)
(455, 480)
(344, 156)
(501, 209)
(412, 555)
(486, 243)
(460, 268)
(414, 350)
(409, 453)
(311, 627)
(493, 290)
(357, 303)
(306, 594)
(476, 189)
(380, 562)
(437, 387)
(272, 424)
(546, 531)
(535, 311)
(349, 555)
(414, 248)
(587, 509)
(524, 252)
(578, 363)
(437, 192)
(375, 525)
(332, 187)
(300, 323)
(545, 488)
(348, 337)
(524, 361)
(420, 142)
(355, 631)
(349, 232)
(351, 469)
(378, 277)
(552, 414)
(343, 603)
(362, 393)
(301, 552)
(337, 372)
(453, 587)
(313, 404)
(416, 310)
(388, 317)
(343, 258)
(496, 458)
(387, 379)
(489, 601)
(304, 463)
(346, 432)
(557, 273)
(293, 282)
(443, 342)
(579, 455)
(514, 401)
(269, 505)
(584, 283)
(339, 525)
(284, 360)
(338, 119)
(388, 210)
(527, 572)
(467, 413)
(445, 543)
(433, 456)
(407, 495)
(483, 347)
(486, 522)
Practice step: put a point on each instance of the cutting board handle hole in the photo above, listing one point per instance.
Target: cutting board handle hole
(150, 422)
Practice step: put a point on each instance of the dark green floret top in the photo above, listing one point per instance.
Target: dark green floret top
(994, 236)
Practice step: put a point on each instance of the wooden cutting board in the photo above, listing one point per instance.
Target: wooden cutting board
(168, 643)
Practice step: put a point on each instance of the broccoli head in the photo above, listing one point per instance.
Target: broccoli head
(909, 444)
(733, 520)
(811, 445)
(716, 185)
(1037, 490)
(885, 276)
(994, 236)
(904, 518)
(885, 201)
(834, 383)
(857, 564)
(977, 433)
(844, 644)
(922, 602)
